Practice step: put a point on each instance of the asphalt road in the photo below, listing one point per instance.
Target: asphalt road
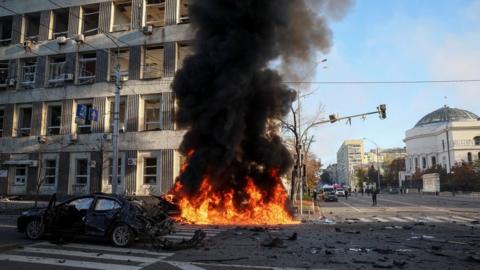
(402, 232)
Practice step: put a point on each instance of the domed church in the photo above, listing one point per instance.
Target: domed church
(443, 137)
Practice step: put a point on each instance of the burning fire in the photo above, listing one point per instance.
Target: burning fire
(208, 206)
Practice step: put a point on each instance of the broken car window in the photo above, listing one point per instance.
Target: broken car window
(82, 203)
(106, 204)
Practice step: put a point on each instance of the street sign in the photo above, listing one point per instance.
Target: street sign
(93, 115)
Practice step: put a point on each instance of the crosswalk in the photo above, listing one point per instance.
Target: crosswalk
(409, 219)
(99, 257)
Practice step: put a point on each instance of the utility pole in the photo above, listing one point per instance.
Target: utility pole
(115, 131)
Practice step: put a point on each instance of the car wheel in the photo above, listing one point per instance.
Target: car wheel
(34, 229)
(122, 235)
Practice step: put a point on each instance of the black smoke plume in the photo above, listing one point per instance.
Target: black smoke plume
(228, 97)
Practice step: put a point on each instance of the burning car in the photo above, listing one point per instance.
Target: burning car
(110, 217)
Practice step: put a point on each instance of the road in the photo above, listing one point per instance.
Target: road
(402, 232)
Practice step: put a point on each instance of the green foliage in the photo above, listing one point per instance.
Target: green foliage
(392, 172)
(362, 178)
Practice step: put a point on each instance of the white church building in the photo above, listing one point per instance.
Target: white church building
(444, 137)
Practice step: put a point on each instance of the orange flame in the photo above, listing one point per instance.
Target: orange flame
(210, 207)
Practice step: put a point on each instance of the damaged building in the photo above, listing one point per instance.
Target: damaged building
(57, 83)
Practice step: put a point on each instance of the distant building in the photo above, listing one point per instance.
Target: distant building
(444, 137)
(349, 157)
(385, 156)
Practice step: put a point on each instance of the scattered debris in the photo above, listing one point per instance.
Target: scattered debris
(221, 260)
(407, 227)
(353, 232)
(273, 242)
(338, 229)
(420, 223)
(166, 244)
(61, 261)
(380, 264)
(473, 258)
(399, 263)
(293, 237)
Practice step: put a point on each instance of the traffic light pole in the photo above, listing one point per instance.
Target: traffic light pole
(115, 131)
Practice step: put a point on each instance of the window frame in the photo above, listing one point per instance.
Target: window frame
(77, 175)
(145, 167)
(91, 31)
(50, 127)
(149, 72)
(49, 176)
(82, 128)
(6, 41)
(27, 23)
(28, 71)
(113, 63)
(2, 120)
(16, 181)
(122, 125)
(146, 123)
(55, 13)
(124, 26)
(22, 130)
(158, 24)
(82, 63)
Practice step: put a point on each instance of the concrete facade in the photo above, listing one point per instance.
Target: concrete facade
(444, 142)
(46, 79)
(349, 157)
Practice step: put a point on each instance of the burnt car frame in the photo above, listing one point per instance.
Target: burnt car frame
(110, 217)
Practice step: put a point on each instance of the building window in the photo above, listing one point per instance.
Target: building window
(29, 67)
(122, 15)
(150, 171)
(424, 163)
(155, 13)
(81, 171)
(184, 18)
(469, 157)
(54, 119)
(478, 155)
(416, 163)
(434, 162)
(110, 171)
(122, 113)
(87, 63)
(153, 62)
(185, 50)
(6, 30)
(90, 20)
(50, 177)
(84, 126)
(477, 140)
(20, 175)
(32, 26)
(119, 57)
(2, 116)
(153, 119)
(56, 70)
(443, 145)
(24, 121)
(4, 66)
(60, 23)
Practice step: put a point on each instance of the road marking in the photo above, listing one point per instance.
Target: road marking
(7, 226)
(365, 220)
(397, 219)
(431, 219)
(380, 219)
(85, 254)
(446, 219)
(195, 266)
(104, 248)
(67, 263)
(463, 218)
(354, 208)
(411, 204)
(411, 218)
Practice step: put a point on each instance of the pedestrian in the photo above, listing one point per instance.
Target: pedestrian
(346, 194)
(362, 190)
(374, 197)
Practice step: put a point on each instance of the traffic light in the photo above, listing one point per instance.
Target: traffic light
(382, 111)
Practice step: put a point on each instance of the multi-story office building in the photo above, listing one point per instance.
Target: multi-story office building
(57, 59)
(349, 157)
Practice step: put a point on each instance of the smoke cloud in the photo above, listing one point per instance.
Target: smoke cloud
(227, 95)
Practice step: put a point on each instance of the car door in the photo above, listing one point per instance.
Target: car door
(102, 215)
(69, 217)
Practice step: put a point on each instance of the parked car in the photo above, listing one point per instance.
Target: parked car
(97, 215)
(327, 194)
(340, 192)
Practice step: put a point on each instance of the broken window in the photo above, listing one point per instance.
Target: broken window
(56, 70)
(60, 23)
(150, 171)
(84, 126)
(50, 177)
(28, 72)
(90, 20)
(4, 66)
(122, 115)
(20, 175)
(153, 120)
(153, 62)
(54, 119)
(184, 50)
(81, 171)
(24, 121)
(5, 30)
(184, 18)
(119, 57)
(32, 26)
(106, 205)
(155, 13)
(87, 64)
(122, 16)
(2, 116)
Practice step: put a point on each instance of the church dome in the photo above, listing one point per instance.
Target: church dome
(445, 115)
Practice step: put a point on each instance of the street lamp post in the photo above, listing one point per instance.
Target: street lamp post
(378, 163)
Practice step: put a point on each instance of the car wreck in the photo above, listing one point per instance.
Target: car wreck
(118, 219)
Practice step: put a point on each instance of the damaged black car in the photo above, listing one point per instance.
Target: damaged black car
(110, 217)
